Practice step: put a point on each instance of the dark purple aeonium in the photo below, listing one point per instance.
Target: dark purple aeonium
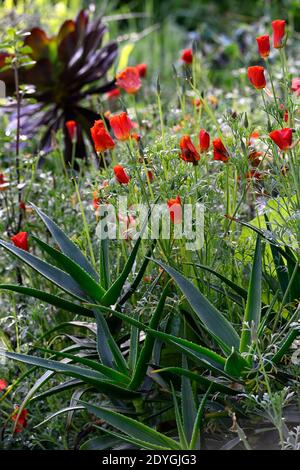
(69, 67)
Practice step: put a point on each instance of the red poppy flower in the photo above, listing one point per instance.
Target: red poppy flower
(101, 138)
(113, 94)
(150, 175)
(72, 130)
(204, 140)
(136, 136)
(220, 152)
(121, 125)
(255, 157)
(278, 27)
(257, 77)
(282, 137)
(188, 150)
(175, 210)
(121, 174)
(263, 43)
(3, 384)
(142, 70)
(187, 56)
(253, 174)
(296, 85)
(20, 240)
(129, 80)
(22, 420)
(22, 206)
(285, 113)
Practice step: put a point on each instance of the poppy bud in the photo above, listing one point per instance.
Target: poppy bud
(129, 80)
(187, 56)
(282, 137)
(101, 138)
(188, 150)
(175, 210)
(220, 152)
(142, 70)
(263, 43)
(121, 175)
(72, 130)
(113, 94)
(278, 27)
(121, 125)
(204, 140)
(257, 77)
(21, 421)
(20, 240)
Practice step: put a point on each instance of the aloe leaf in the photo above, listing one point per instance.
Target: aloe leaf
(104, 264)
(86, 282)
(100, 443)
(187, 402)
(132, 428)
(238, 289)
(138, 277)
(114, 292)
(68, 385)
(198, 353)
(107, 348)
(146, 351)
(204, 382)
(253, 305)
(199, 420)
(131, 440)
(66, 245)
(236, 365)
(58, 413)
(179, 423)
(211, 318)
(107, 371)
(49, 298)
(285, 345)
(86, 375)
(53, 274)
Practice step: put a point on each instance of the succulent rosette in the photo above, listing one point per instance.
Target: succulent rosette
(69, 67)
